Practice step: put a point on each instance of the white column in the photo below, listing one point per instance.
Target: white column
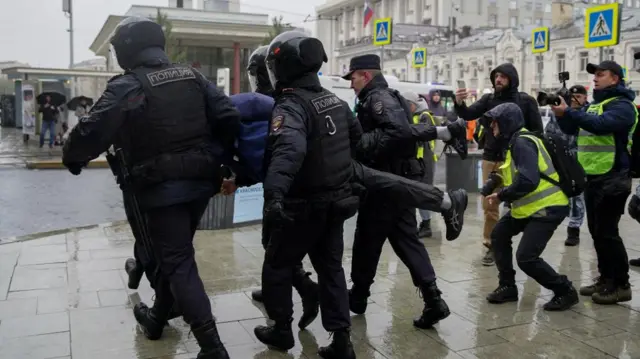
(346, 26)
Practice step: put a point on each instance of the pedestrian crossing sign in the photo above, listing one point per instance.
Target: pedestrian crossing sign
(382, 32)
(602, 26)
(419, 57)
(540, 40)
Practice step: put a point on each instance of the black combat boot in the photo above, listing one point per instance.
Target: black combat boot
(573, 237)
(435, 308)
(454, 216)
(503, 294)
(358, 300)
(149, 321)
(424, 231)
(309, 292)
(211, 346)
(340, 347)
(257, 296)
(278, 335)
(562, 301)
(134, 271)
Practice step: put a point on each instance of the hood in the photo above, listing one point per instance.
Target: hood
(253, 106)
(431, 97)
(149, 57)
(613, 91)
(421, 106)
(509, 117)
(514, 80)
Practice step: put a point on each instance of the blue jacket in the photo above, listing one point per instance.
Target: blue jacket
(255, 112)
(617, 119)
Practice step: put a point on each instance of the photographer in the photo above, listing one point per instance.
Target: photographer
(578, 97)
(505, 82)
(603, 131)
(537, 209)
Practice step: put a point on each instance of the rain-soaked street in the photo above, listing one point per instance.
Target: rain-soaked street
(64, 296)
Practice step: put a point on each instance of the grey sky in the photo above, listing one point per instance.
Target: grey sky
(35, 31)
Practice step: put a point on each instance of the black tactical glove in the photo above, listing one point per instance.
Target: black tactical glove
(273, 211)
(74, 168)
(634, 207)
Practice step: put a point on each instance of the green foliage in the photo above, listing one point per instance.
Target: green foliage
(277, 27)
(174, 51)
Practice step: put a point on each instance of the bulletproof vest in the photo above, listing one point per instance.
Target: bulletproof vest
(167, 138)
(327, 164)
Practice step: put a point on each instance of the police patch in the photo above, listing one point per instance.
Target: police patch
(276, 123)
(377, 108)
(174, 74)
(326, 103)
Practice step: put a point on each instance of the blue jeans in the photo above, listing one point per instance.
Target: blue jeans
(51, 127)
(576, 215)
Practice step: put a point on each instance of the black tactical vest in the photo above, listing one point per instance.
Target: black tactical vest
(166, 140)
(327, 166)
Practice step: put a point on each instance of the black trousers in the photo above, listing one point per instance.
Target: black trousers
(536, 233)
(266, 235)
(172, 229)
(605, 198)
(318, 232)
(379, 218)
(147, 262)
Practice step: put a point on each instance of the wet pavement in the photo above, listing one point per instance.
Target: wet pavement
(64, 296)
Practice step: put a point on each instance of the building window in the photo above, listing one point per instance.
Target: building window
(493, 20)
(489, 65)
(636, 63)
(510, 60)
(460, 70)
(529, 5)
(609, 54)
(637, 3)
(584, 60)
(447, 71)
(513, 21)
(435, 74)
(547, 8)
(539, 22)
(561, 62)
(513, 5)
(474, 72)
(540, 63)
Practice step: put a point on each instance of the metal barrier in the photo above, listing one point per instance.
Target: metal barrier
(465, 174)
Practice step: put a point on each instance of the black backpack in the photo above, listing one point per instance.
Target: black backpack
(573, 179)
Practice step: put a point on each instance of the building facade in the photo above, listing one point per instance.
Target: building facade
(339, 24)
(210, 39)
(91, 87)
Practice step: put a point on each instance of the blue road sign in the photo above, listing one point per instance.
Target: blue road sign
(602, 26)
(382, 32)
(419, 57)
(540, 40)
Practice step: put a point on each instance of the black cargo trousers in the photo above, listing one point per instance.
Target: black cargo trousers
(316, 230)
(172, 229)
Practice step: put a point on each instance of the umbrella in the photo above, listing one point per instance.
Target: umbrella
(73, 104)
(57, 98)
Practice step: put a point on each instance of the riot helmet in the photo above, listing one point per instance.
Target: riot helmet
(257, 71)
(132, 36)
(291, 55)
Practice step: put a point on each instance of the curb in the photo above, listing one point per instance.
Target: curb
(57, 164)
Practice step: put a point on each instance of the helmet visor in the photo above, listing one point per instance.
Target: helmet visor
(253, 81)
(272, 75)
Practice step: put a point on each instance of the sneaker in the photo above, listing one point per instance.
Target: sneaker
(503, 294)
(454, 216)
(589, 290)
(573, 237)
(458, 141)
(562, 302)
(424, 231)
(635, 262)
(488, 259)
(608, 296)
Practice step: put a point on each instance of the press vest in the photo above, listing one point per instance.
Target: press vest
(327, 164)
(597, 153)
(545, 195)
(432, 144)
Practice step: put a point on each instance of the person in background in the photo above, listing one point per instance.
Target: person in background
(435, 105)
(426, 154)
(49, 113)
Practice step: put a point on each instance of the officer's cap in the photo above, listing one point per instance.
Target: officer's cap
(578, 89)
(364, 62)
(607, 65)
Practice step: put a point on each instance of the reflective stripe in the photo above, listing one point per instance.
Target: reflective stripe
(536, 197)
(596, 148)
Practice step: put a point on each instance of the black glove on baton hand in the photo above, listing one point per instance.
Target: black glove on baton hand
(274, 211)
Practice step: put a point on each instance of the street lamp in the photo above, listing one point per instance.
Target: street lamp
(67, 8)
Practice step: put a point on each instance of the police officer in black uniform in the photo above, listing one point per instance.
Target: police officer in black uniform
(387, 145)
(307, 191)
(307, 288)
(172, 125)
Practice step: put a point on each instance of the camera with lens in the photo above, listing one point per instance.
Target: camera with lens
(545, 99)
(493, 181)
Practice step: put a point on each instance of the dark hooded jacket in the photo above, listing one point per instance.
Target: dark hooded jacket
(527, 104)
(436, 108)
(617, 119)
(524, 152)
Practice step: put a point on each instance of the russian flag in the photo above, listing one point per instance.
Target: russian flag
(368, 13)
